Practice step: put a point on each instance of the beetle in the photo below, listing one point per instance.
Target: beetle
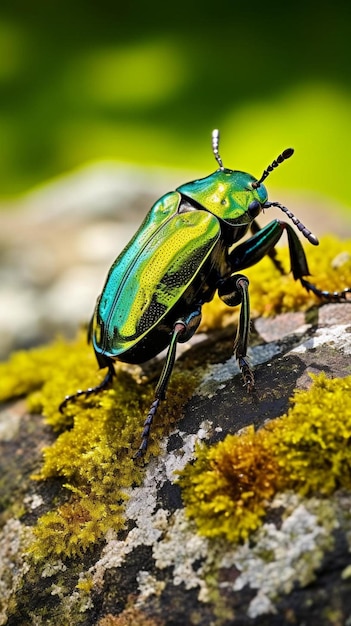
(183, 253)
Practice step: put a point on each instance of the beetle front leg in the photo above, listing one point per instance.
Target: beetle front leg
(256, 228)
(183, 329)
(233, 291)
(262, 243)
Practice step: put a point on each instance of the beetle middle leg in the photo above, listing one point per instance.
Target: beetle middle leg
(233, 291)
(183, 329)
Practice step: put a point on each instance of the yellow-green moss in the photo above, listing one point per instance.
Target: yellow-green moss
(94, 456)
(271, 293)
(229, 486)
(225, 490)
(312, 443)
(130, 617)
(28, 370)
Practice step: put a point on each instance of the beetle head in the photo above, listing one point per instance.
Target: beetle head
(236, 197)
(258, 203)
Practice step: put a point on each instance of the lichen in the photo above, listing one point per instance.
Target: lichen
(229, 486)
(14, 539)
(272, 293)
(285, 554)
(97, 437)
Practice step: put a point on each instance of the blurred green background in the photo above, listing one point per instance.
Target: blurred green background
(145, 82)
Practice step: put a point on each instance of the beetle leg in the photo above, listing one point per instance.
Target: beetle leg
(256, 228)
(233, 291)
(91, 390)
(337, 296)
(160, 391)
(182, 331)
(262, 243)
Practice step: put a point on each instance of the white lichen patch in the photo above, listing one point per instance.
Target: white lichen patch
(51, 569)
(14, 540)
(33, 501)
(151, 526)
(148, 586)
(278, 558)
(77, 602)
(181, 548)
(337, 335)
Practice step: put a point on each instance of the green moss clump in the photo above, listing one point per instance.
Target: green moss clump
(312, 443)
(229, 486)
(272, 293)
(93, 457)
(28, 370)
(226, 489)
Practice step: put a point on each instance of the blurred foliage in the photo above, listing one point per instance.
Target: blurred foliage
(139, 82)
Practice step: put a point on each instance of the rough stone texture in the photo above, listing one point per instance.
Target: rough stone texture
(295, 570)
(55, 249)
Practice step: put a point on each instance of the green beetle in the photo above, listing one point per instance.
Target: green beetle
(179, 258)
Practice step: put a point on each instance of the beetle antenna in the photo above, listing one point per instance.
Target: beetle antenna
(215, 146)
(286, 154)
(302, 228)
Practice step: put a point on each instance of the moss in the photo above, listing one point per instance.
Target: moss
(29, 370)
(272, 293)
(92, 454)
(312, 443)
(228, 488)
(130, 617)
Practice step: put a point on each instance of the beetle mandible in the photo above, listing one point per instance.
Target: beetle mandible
(179, 258)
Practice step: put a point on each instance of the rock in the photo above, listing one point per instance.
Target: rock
(296, 566)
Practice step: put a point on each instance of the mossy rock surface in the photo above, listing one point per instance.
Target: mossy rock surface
(94, 539)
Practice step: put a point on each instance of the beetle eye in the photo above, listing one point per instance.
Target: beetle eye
(254, 208)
